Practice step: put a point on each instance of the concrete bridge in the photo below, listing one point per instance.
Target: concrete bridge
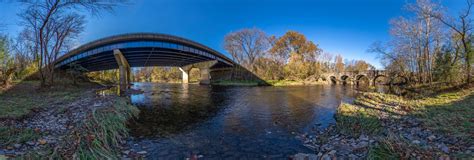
(371, 77)
(150, 49)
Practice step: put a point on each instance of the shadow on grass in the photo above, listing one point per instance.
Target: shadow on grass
(454, 118)
(449, 113)
(354, 121)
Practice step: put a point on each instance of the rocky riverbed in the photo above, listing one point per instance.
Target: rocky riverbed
(403, 132)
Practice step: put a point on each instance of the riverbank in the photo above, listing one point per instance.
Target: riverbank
(62, 122)
(294, 83)
(279, 83)
(239, 83)
(376, 125)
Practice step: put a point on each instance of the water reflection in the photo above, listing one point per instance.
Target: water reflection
(215, 121)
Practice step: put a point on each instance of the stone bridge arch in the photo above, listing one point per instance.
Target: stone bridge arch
(377, 79)
(361, 78)
(405, 79)
(370, 77)
(346, 79)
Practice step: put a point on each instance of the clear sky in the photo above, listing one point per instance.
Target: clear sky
(345, 27)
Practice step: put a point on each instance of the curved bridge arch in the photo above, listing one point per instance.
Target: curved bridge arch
(361, 78)
(147, 49)
(141, 50)
(405, 80)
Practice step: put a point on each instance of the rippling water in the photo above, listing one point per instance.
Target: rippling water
(178, 120)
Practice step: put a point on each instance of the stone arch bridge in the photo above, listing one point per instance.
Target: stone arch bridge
(151, 49)
(371, 77)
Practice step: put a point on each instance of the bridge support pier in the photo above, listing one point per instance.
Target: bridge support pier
(124, 69)
(204, 68)
(205, 76)
(185, 75)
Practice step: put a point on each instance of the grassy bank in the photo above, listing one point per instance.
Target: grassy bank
(24, 97)
(104, 131)
(238, 83)
(266, 83)
(293, 83)
(354, 121)
(96, 125)
(448, 113)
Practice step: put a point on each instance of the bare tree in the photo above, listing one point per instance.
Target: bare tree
(462, 27)
(326, 60)
(246, 46)
(392, 61)
(52, 24)
(415, 40)
(338, 64)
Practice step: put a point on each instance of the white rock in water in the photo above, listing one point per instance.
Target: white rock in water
(444, 148)
(17, 146)
(432, 137)
(332, 152)
(126, 152)
(415, 142)
(304, 156)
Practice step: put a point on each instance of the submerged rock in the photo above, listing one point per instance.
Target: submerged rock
(17, 146)
(415, 142)
(443, 148)
(432, 138)
(305, 156)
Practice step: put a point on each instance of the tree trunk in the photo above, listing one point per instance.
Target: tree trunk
(468, 68)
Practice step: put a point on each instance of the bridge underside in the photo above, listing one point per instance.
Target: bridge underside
(142, 57)
(148, 49)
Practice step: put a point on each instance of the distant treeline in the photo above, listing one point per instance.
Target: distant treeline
(290, 57)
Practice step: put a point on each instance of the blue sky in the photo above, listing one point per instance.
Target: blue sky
(345, 27)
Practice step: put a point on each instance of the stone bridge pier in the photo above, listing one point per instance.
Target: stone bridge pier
(204, 69)
(124, 69)
(207, 72)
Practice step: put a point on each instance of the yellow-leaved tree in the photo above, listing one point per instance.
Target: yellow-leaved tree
(299, 54)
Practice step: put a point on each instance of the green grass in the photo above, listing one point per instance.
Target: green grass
(353, 120)
(382, 151)
(12, 135)
(19, 100)
(284, 82)
(104, 129)
(98, 136)
(449, 113)
(292, 83)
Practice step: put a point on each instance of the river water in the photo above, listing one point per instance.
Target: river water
(216, 122)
